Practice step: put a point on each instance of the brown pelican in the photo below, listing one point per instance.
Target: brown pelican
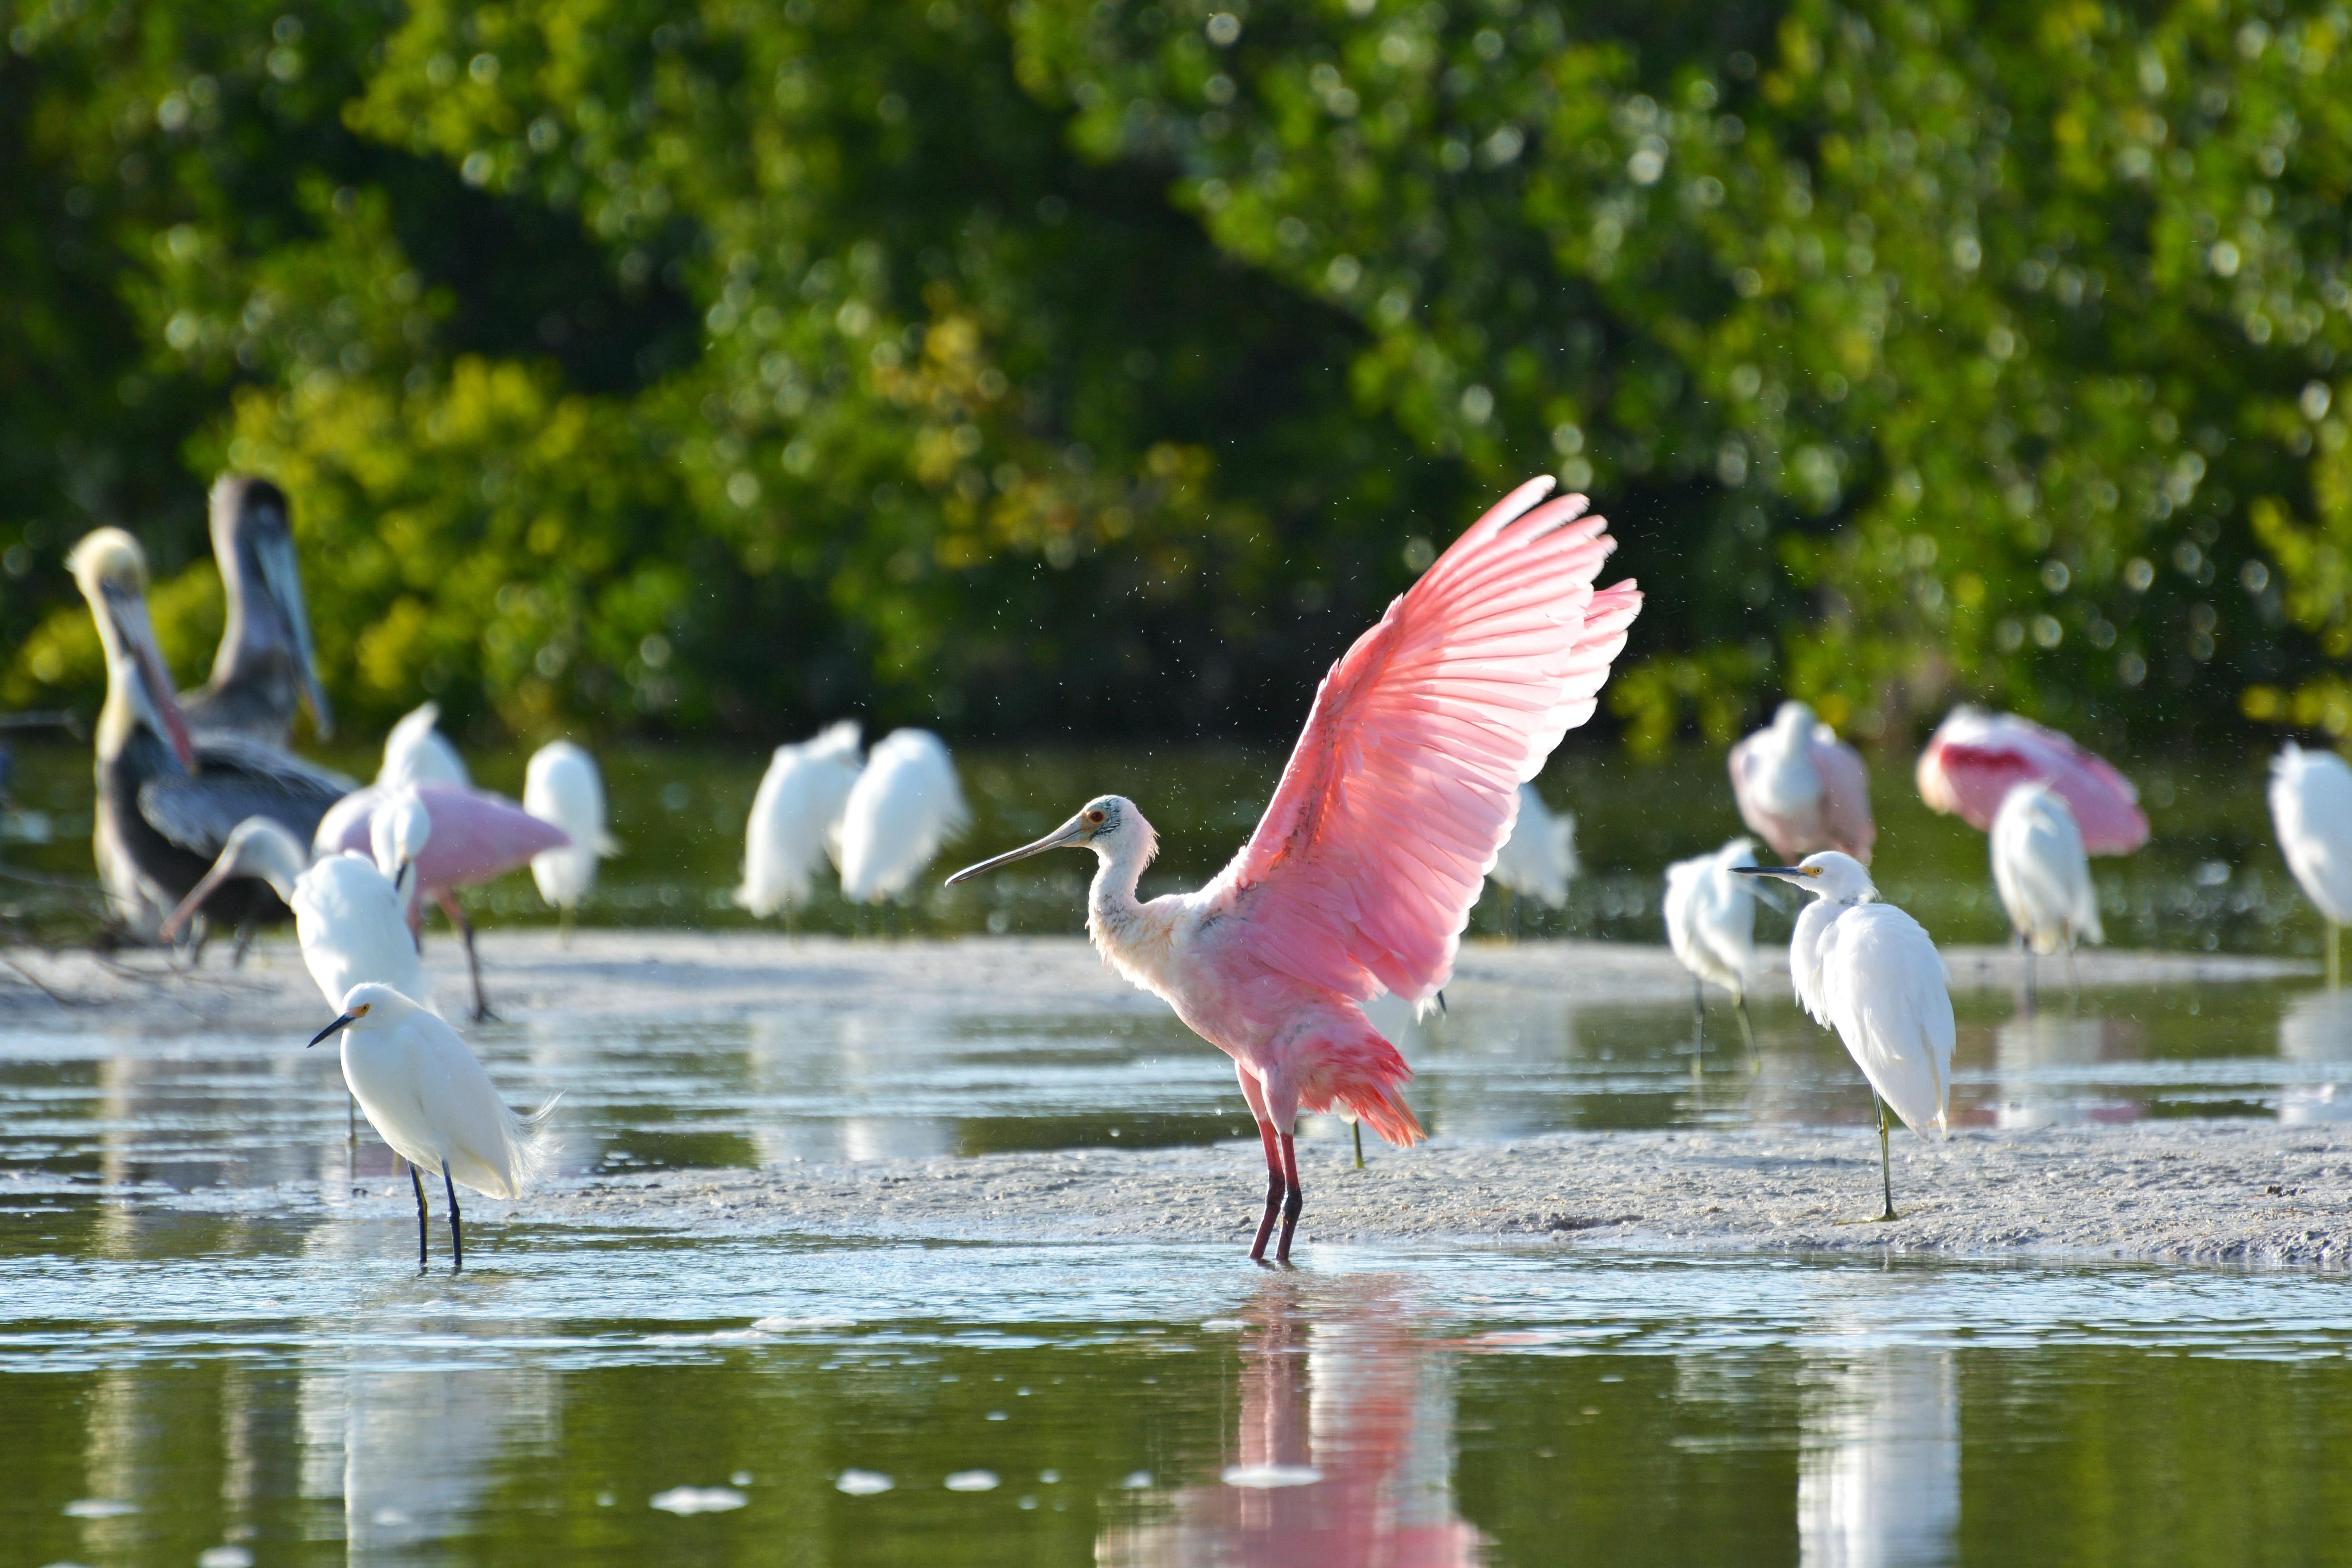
(265, 664)
(167, 801)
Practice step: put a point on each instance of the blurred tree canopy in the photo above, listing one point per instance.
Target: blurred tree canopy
(1102, 366)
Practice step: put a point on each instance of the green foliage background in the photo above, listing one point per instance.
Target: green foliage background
(1101, 367)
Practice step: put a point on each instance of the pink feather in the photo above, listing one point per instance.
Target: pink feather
(1975, 758)
(477, 835)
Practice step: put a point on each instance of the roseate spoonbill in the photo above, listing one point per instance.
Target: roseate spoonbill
(1539, 860)
(901, 809)
(264, 665)
(475, 836)
(1711, 927)
(1800, 788)
(561, 786)
(2311, 803)
(1975, 758)
(1872, 972)
(796, 817)
(167, 802)
(1361, 874)
(426, 1095)
(2043, 874)
(414, 752)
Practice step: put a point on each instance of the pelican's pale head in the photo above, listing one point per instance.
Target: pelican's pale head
(111, 572)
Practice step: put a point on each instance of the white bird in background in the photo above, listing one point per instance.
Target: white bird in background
(1711, 926)
(1872, 972)
(904, 806)
(417, 753)
(2311, 803)
(796, 818)
(1800, 788)
(427, 1096)
(561, 786)
(1538, 859)
(2043, 874)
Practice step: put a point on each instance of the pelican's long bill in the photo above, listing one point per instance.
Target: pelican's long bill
(152, 678)
(337, 1028)
(1071, 832)
(282, 576)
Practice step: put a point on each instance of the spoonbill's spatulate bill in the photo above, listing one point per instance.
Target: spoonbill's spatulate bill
(426, 1095)
(1800, 788)
(904, 805)
(167, 801)
(1362, 875)
(562, 786)
(1872, 972)
(266, 665)
(2042, 874)
(796, 818)
(1711, 926)
(2311, 804)
(1975, 758)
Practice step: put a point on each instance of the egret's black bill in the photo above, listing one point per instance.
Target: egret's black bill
(1776, 870)
(338, 1027)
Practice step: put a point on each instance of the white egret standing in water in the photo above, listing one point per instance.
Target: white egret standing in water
(2311, 802)
(2044, 876)
(427, 1096)
(1538, 859)
(904, 806)
(1711, 927)
(796, 818)
(561, 786)
(1872, 972)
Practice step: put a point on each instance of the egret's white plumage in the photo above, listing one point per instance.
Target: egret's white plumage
(398, 828)
(1538, 859)
(796, 818)
(561, 786)
(2041, 872)
(2311, 804)
(904, 806)
(429, 1096)
(416, 754)
(1869, 972)
(1711, 916)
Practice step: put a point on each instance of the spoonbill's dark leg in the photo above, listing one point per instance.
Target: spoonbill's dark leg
(1273, 1192)
(1356, 1131)
(458, 1237)
(1293, 1203)
(482, 1013)
(418, 1183)
(1748, 1032)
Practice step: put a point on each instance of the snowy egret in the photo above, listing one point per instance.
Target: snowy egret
(1872, 972)
(902, 808)
(796, 818)
(561, 786)
(1538, 859)
(2311, 804)
(427, 1096)
(167, 802)
(264, 665)
(1974, 759)
(1711, 927)
(2043, 874)
(416, 753)
(1800, 788)
(1361, 874)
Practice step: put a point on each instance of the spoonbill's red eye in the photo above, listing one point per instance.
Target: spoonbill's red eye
(1094, 817)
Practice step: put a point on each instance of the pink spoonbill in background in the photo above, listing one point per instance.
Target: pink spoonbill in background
(1801, 789)
(1975, 758)
(1360, 876)
(477, 835)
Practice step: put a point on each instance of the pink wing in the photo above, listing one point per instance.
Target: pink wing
(1784, 833)
(1974, 759)
(1405, 784)
(1846, 795)
(477, 835)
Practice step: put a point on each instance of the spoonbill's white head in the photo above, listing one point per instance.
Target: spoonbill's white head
(1832, 876)
(1108, 825)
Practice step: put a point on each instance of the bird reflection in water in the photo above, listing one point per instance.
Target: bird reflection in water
(1342, 1452)
(2314, 1033)
(1879, 1484)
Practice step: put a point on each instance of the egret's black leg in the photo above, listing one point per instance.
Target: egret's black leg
(1748, 1032)
(418, 1183)
(351, 1119)
(1273, 1193)
(1295, 1201)
(457, 1237)
(1698, 1023)
(1886, 1165)
(2032, 989)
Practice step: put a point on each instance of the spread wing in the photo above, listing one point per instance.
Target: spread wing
(237, 778)
(1405, 784)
